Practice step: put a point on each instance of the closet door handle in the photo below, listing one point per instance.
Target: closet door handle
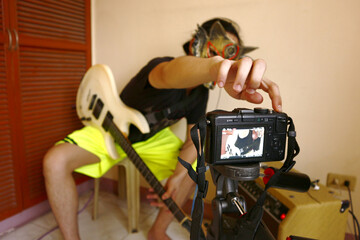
(16, 39)
(10, 38)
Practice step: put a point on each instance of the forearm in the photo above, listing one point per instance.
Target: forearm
(183, 72)
(188, 154)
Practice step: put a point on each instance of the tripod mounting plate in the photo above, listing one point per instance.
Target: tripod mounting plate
(239, 172)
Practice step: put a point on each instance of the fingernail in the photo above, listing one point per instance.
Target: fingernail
(237, 88)
(250, 91)
(279, 108)
(221, 84)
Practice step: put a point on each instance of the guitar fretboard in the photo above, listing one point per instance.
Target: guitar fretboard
(146, 172)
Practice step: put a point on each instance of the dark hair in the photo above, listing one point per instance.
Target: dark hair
(228, 25)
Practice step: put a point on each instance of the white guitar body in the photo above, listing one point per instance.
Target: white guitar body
(99, 81)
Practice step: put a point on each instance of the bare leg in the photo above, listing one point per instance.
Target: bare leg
(164, 218)
(59, 163)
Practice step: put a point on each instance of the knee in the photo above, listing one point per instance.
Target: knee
(55, 163)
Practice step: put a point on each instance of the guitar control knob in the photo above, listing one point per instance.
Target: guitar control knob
(85, 119)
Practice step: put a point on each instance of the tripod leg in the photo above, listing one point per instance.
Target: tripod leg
(214, 231)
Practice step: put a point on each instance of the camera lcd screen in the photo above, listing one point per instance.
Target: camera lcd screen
(242, 143)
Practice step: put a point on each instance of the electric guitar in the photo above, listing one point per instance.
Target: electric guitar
(99, 105)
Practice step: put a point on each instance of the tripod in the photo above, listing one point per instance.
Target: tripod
(228, 206)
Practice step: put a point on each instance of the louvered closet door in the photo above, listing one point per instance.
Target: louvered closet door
(53, 55)
(10, 191)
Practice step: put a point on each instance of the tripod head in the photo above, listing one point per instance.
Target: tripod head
(228, 206)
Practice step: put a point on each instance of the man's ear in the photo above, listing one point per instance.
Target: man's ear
(248, 49)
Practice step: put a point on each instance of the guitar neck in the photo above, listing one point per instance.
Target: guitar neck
(145, 171)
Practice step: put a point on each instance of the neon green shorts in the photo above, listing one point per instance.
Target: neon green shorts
(159, 152)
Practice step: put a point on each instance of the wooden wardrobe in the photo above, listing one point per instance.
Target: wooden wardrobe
(45, 49)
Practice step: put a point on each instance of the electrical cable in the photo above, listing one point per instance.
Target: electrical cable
(357, 223)
(219, 97)
(193, 202)
(80, 211)
(356, 231)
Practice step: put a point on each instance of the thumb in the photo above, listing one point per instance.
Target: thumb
(167, 194)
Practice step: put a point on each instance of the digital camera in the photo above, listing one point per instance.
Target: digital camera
(245, 136)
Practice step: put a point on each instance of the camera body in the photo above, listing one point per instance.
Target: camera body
(245, 136)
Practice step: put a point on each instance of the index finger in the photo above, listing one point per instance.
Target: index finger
(274, 93)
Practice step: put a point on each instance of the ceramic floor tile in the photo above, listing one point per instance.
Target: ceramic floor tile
(111, 223)
(136, 236)
(51, 235)
(176, 231)
(46, 221)
(29, 231)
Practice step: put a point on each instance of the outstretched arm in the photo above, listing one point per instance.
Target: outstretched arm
(241, 79)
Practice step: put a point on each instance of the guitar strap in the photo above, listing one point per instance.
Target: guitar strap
(198, 177)
(155, 118)
(248, 223)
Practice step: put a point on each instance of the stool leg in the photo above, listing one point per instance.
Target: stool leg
(133, 197)
(122, 168)
(96, 198)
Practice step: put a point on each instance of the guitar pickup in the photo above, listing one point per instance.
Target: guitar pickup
(93, 98)
(98, 108)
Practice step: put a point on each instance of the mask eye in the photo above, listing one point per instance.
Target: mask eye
(213, 53)
(230, 51)
(211, 50)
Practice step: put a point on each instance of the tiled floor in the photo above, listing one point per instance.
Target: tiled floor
(110, 225)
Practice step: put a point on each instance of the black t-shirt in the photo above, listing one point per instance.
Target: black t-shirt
(247, 144)
(139, 94)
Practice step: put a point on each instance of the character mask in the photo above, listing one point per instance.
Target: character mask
(216, 43)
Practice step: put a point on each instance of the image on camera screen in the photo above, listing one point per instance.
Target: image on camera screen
(242, 143)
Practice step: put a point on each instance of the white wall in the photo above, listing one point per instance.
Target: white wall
(311, 47)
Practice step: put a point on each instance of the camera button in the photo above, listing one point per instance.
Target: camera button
(261, 110)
